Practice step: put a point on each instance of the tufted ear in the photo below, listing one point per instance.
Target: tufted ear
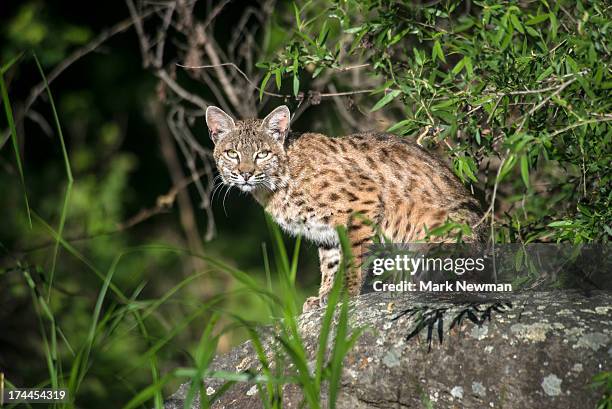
(276, 124)
(219, 123)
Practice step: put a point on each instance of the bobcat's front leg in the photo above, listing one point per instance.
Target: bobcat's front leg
(360, 234)
(329, 260)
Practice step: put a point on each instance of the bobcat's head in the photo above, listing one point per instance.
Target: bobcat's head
(250, 153)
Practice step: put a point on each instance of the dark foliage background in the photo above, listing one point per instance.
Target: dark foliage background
(514, 94)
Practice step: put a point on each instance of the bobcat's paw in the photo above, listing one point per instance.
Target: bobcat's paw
(311, 304)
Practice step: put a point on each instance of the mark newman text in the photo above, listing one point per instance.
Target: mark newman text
(447, 286)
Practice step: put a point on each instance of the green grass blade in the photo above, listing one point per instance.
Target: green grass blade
(219, 392)
(79, 256)
(326, 322)
(272, 307)
(64, 211)
(281, 258)
(57, 122)
(10, 63)
(178, 327)
(203, 355)
(338, 354)
(60, 231)
(146, 394)
(11, 122)
(261, 356)
(294, 260)
(123, 312)
(239, 376)
(157, 398)
(76, 376)
(43, 310)
(150, 309)
(298, 358)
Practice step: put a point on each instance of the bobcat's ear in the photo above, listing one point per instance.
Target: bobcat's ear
(219, 123)
(276, 124)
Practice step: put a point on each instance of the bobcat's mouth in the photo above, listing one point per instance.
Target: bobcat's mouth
(247, 186)
(255, 182)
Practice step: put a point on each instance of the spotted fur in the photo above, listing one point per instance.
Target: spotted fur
(371, 183)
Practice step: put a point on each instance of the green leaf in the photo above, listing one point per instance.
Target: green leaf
(400, 125)
(532, 32)
(296, 85)
(468, 66)
(506, 167)
(385, 100)
(417, 56)
(516, 23)
(457, 69)
(437, 52)
(525, 170)
(353, 30)
(277, 75)
(545, 74)
(507, 40)
(298, 20)
(323, 34)
(296, 78)
(264, 82)
(554, 25)
(446, 104)
(465, 26)
(537, 19)
(561, 223)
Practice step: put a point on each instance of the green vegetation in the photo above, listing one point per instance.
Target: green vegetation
(603, 382)
(105, 285)
(517, 94)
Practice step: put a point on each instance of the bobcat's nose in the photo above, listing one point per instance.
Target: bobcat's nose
(246, 176)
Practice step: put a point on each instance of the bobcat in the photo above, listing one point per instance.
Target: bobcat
(311, 183)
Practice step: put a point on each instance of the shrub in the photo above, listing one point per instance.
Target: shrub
(517, 93)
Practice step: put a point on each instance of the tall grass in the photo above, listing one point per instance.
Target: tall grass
(117, 314)
(8, 110)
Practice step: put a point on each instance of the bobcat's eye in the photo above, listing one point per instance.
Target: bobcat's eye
(262, 154)
(232, 154)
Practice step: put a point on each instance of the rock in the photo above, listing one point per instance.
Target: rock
(541, 351)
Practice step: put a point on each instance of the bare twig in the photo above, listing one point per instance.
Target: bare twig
(346, 93)
(41, 121)
(342, 109)
(351, 67)
(231, 64)
(182, 135)
(142, 37)
(491, 208)
(274, 94)
(161, 37)
(215, 90)
(180, 91)
(231, 93)
(186, 212)
(214, 13)
(544, 101)
(577, 124)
